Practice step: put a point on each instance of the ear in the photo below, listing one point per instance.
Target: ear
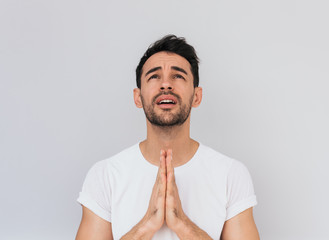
(137, 98)
(197, 97)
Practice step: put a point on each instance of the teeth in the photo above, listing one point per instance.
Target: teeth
(166, 101)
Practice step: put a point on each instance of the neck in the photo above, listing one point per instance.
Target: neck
(176, 138)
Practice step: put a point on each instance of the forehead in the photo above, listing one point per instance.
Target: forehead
(166, 60)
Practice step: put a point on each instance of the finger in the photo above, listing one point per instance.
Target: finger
(169, 165)
(162, 178)
(162, 167)
(170, 171)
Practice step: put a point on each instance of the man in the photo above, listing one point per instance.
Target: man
(193, 192)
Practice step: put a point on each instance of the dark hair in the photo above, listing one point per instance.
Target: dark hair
(173, 44)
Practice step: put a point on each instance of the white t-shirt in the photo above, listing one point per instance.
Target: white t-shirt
(212, 188)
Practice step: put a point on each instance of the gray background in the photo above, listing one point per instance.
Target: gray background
(67, 74)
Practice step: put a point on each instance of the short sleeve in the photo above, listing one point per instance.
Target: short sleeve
(240, 190)
(96, 191)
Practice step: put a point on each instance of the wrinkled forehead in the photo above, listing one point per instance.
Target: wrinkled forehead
(166, 60)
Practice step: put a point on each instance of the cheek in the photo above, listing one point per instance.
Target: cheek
(149, 86)
(184, 85)
(184, 91)
(147, 95)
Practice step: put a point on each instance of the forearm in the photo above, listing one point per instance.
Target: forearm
(189, 230)
(140, 231)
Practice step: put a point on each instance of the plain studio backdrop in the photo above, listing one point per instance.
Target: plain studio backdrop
(67, 73)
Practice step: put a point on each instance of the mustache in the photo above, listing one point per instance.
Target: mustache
(167, 93)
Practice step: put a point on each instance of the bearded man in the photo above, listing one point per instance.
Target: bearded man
(168, 186)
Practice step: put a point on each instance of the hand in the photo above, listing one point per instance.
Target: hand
(165, 205)
(175, 217)
(174, 213)
(155, 215)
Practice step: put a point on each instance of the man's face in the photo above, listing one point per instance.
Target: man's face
(167, 92)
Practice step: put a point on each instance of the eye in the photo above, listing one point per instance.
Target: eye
(154, 76)
(179, 76)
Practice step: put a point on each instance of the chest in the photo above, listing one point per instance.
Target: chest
(203, 198)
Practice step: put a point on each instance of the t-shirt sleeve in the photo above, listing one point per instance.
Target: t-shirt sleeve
(240, 190)
(96, 191)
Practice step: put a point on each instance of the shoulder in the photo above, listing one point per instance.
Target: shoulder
(215, 158)
(116, 161)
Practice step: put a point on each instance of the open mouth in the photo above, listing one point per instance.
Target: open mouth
(166, 101)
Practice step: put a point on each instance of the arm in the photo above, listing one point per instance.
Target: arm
(140, 231)
(240, 227)
(93, 227)
(189, 230)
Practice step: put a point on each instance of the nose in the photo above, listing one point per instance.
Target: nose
(163, 88)
(166, 84)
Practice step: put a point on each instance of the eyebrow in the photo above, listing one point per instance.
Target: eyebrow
(152, 70)
(179, 69)
(173, 67)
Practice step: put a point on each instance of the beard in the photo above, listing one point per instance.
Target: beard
(166, 118)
